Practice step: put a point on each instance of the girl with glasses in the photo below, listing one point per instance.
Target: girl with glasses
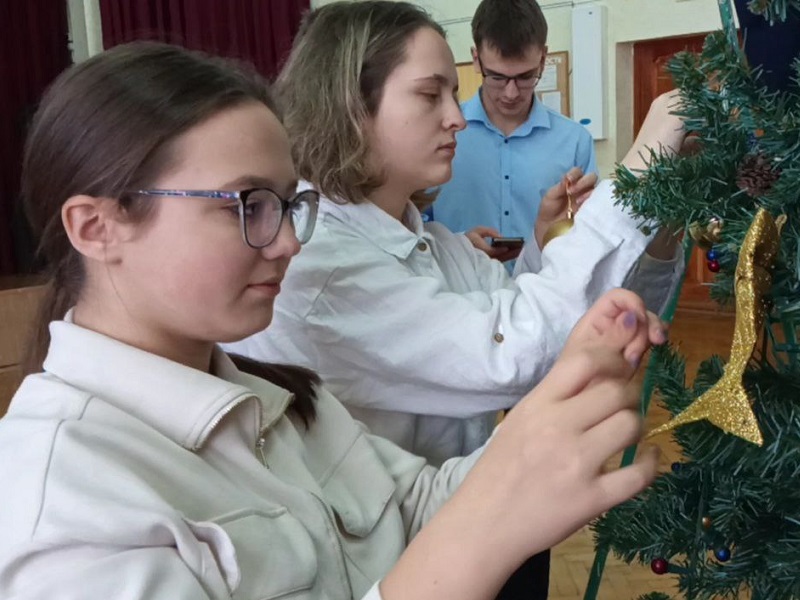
(139, 461)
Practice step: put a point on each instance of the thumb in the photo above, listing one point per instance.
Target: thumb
(484, 231)
(573, 175)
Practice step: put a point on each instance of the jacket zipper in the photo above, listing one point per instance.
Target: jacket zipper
(218, 418)
(260, 449)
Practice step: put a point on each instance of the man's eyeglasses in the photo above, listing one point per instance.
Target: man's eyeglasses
(523, 81)
(261, 211)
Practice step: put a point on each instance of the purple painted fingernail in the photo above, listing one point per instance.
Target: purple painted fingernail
(629, 320)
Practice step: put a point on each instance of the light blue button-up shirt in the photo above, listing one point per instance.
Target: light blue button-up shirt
(499, 181)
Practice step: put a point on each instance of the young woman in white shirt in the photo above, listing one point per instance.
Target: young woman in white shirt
(138, 461)
(421, 336)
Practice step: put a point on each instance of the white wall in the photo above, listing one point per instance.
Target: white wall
(85, 31)
(628, 21)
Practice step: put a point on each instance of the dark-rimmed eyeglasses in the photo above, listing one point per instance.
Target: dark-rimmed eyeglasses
(261, 211)
(498, 81)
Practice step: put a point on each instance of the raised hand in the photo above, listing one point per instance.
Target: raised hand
(555, 201)
(543, 475)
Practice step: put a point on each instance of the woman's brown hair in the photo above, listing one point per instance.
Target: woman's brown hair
(105, 126)
(333, 81)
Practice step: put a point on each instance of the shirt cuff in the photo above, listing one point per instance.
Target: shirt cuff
(602, 208)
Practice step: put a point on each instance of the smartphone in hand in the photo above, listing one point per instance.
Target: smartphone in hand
(511, 243)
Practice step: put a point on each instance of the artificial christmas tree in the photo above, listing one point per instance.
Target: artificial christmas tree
(726, 520)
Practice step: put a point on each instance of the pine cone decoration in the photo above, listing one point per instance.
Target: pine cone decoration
(756, 175)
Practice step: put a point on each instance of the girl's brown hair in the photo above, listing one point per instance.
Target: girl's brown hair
(106, 126)
(333, 80)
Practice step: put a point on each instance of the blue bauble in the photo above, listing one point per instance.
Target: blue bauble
(712, 255)
(723, 554)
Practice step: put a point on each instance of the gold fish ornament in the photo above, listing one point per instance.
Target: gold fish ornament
(726, 404)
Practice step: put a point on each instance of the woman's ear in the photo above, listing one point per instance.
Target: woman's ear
(94, 227)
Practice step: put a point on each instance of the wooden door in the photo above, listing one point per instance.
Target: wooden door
(650, 79)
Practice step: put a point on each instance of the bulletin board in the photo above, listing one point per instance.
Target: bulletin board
(552, 89)
(469, 81)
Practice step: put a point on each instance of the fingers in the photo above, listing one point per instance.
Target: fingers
(495, 253)
(583, 188)
(482, 231)
(639, 341)
(652, 332)
(657, 329)
(623, 484)
(583, 183)
(506, 254)
(478, 242)
(580, 186)
(598, 402)
(620, 322)
(556, 195)
(574, 370)
(620, 300)
(477, 237)
(620, 429)
(573, 175)
(614, 322)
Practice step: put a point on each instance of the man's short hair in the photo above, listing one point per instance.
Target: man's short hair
(510, 26)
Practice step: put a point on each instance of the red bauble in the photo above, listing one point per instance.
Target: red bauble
(713, 266)
(659, 566)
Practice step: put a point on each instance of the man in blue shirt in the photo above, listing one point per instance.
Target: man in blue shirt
(514, 148)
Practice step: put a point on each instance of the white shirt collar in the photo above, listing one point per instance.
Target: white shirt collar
(373, 223)
(182, 403)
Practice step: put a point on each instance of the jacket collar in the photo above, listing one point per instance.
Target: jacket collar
(373, 223)
(538, 117)
(180, 402)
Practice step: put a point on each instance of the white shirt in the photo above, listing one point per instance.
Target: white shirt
(423, 337)
(129, 476)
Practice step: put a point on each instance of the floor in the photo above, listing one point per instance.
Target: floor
(698, 335)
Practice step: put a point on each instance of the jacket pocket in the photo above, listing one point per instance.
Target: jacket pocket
(359, 488)
(274, 554)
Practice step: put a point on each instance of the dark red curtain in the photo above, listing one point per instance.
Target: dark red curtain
(34, 48)
(259, 31)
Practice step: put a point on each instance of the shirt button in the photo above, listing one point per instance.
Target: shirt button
(506, 213)
(498, 337)
(506, 176)
(506, 141)
(422, 246)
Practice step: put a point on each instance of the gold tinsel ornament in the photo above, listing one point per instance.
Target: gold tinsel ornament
(726, 404)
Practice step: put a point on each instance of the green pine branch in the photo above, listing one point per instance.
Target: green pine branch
(733, 117)
(749, 493)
